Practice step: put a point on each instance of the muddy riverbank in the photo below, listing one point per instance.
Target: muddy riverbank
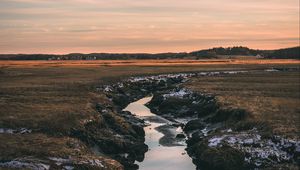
(216, 137)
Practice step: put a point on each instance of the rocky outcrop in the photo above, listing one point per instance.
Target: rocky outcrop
(116, 133)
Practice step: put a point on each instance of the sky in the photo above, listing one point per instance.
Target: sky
(150, 26)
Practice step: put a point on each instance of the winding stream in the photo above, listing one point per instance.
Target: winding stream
(159, 155)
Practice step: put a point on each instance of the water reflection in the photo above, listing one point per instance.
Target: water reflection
(158, 156)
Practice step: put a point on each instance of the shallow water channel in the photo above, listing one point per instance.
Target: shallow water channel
(160, 155)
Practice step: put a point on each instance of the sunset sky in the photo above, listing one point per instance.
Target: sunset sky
(67, 26)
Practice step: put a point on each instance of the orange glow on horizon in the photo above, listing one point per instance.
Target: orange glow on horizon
(130, 26)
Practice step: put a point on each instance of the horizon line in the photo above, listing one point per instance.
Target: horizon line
(143, 52)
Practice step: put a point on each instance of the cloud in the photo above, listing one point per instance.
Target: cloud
(136, 25)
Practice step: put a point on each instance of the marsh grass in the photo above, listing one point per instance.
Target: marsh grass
(271, 97)
(54, 98)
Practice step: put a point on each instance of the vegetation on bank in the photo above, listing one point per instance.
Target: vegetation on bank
(271, 96)
(288, 53)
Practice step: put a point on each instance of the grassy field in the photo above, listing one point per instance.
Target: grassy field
(53, 97)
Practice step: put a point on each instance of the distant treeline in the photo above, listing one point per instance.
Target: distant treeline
(285, 53)
(227, 51)
(292, 53)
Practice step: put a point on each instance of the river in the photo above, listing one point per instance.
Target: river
(159, 156)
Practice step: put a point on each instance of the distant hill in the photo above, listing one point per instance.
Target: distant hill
(292, 53)
(214, 52)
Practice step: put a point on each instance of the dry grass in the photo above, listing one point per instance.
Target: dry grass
(53, 97)
(95, 63)
(40, 145)
(270, 96)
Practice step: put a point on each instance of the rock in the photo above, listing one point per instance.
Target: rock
(194, 125)
(177, 124)
(139, 130)
(180, 135)
(120, 100)
(195, 138)
(248, 142)
(137, 152)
